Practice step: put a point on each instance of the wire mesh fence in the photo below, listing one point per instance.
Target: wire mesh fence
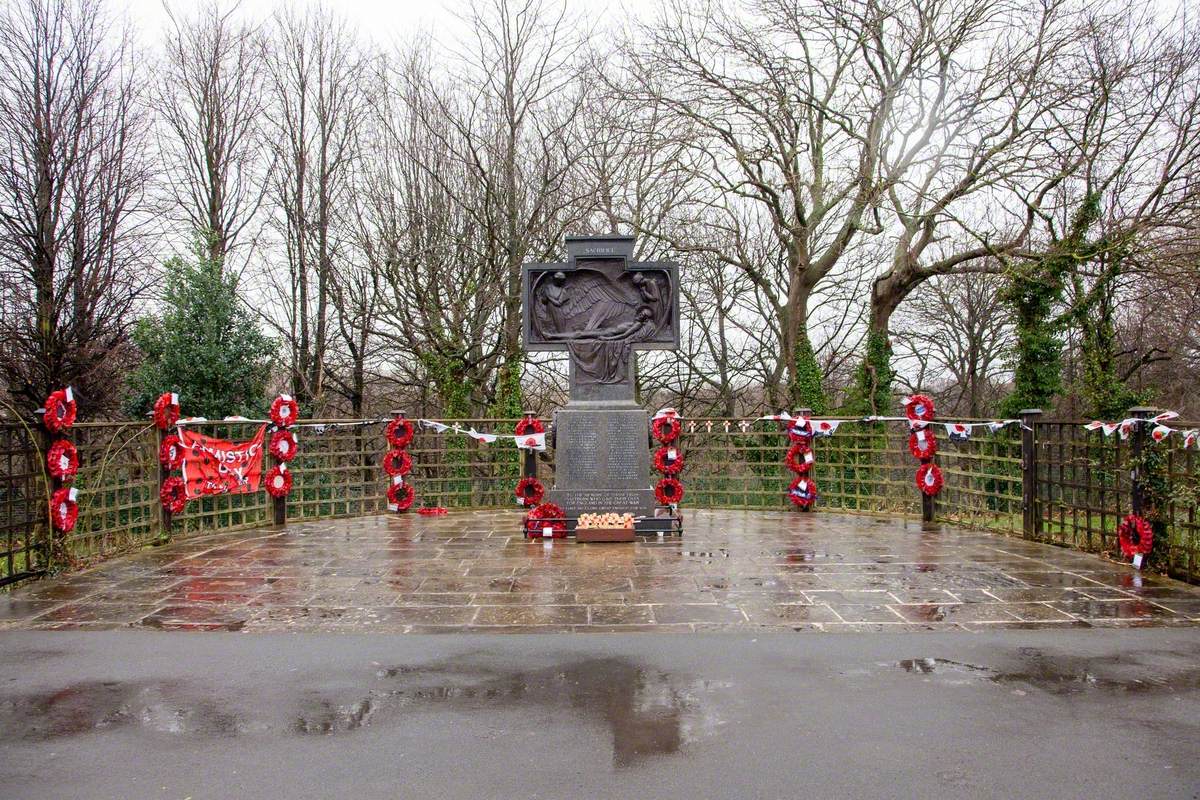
(1082, 481)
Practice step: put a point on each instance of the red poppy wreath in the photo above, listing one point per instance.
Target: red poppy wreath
(399, 433)
(62, 460)
(543, 518)
(1135, 536)
(60, 410)
(668, 491)
(173, 494)
(529, 491)
(929, 479)
(665, 463)
(170, 453)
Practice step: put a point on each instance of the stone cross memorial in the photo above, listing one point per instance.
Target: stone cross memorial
(601, 306)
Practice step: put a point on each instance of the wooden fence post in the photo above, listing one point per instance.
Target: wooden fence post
(54, 553)
(278, 504)
(529, 455)
(1031, 514)
(164, 513)
(812, 441)
(1137, 442)
(928, 501)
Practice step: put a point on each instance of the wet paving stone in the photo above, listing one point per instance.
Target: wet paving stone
(731, 571)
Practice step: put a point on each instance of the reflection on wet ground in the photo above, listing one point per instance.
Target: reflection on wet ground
(646, 712)
(1062, 674)
(472, 571)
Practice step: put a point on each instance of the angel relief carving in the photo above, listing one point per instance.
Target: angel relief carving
(601, 317)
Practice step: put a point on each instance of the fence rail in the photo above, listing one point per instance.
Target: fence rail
(1081, 482)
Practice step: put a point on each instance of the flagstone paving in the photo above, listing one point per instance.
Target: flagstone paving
(731, 570)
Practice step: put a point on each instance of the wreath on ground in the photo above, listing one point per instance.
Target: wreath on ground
(799, 458)
(283, 445)
(397, 462)
(529, 425)
(803, 491)
(668, 491)
(170, 452)
(60, 410)
(400, 495)
(173, 494)
(800, 430)
(64, 510)
(62, 460)
(546, 515)
(919, 406)
(1135, 536)
(529, 491)
(166, 410)
(399, 433)
(922, 443)
(433, 511)
(284, 411)
(666, 429)
(665, 464)
(279, 481)
(929, 479)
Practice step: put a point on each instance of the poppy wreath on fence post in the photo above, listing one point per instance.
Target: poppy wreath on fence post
(173, 494)
(668, 460)
(397, 462)
(284, 411)
(166, 410)
(59, 414)
(283, 445)
(1135, 536)
(62, 460)
(800, 430)
(666, 429)
(529, 425)
(279, 481)
(399, 433)
(543, 518)
(529, 491)
(170, 452)
(803, 491)
(400, 495)
(668, 492)
(929, 479)
(64, 509)
(919, 407)
(922, 443)
(800, 458)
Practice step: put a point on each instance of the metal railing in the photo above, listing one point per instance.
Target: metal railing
(1080, 479)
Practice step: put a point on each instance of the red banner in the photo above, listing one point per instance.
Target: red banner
(215, 466)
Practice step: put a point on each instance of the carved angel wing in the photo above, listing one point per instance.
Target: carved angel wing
(592, 292)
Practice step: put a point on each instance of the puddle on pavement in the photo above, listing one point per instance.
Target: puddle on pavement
(1064, 674)
(647, 712)
(92, 706)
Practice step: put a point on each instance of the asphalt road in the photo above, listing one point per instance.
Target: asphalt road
(1042, 713)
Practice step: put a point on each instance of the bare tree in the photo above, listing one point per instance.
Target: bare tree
(957, 330)
(73, 171)
(210, 100)
(786, 109)
(513, 110)
(314, 65)
(1127, 144)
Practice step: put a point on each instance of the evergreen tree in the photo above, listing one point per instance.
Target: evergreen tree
(205, 345)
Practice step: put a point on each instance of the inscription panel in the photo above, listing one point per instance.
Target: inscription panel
(595, 501)
(602, 449)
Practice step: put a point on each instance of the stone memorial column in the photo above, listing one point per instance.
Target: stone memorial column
(601, 307)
